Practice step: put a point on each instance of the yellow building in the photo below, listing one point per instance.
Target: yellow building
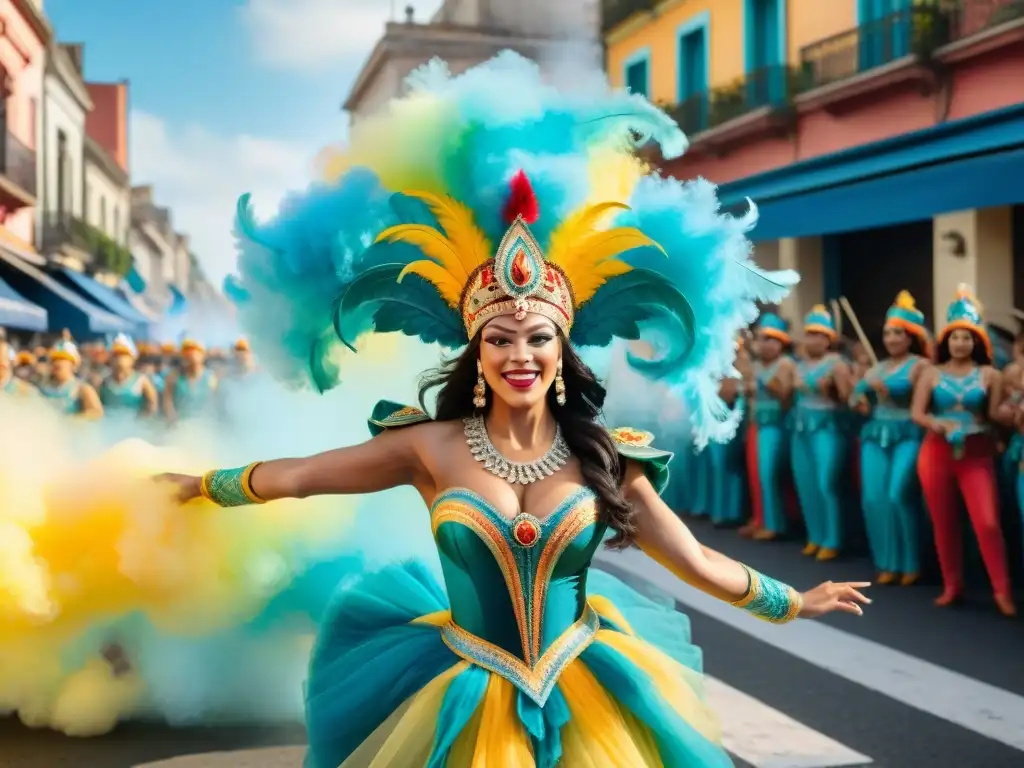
(880, 139)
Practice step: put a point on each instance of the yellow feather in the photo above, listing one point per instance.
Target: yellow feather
(602, 246)
(456, 219)
(587, 283)
(905, 300)
(449, 288)
(433, 244)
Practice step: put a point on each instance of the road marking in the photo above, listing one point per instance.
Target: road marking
(767, 738)
(992, 712)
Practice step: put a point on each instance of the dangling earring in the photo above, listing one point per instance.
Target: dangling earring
(559, 386)
(480, 390)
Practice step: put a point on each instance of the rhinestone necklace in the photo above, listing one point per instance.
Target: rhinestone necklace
(483, 450)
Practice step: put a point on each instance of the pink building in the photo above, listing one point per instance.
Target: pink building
(24, 34)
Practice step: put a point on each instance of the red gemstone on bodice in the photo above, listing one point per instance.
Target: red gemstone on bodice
(525, 532)
(521, 270)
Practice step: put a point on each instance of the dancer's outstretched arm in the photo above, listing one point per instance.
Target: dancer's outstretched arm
(667, 540)
(389, 460)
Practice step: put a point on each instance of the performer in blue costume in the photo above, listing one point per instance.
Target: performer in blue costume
(728, 476)
(68, 393)
(818, 434)
(889, 444)
(525, 657)
(124, 390)
(191, 392)
(772, 385)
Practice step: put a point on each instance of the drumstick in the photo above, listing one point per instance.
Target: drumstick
(838, 316)
(845, 304)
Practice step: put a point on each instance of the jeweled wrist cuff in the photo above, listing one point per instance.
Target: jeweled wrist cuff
(768, 599)
(230, 487)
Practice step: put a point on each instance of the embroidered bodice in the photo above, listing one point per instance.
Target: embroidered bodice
(65, 397)
(890, 421)
(193, 396)
(517, 587)
(812, 373)
(122, 395)
(767, 409)
(962, 399)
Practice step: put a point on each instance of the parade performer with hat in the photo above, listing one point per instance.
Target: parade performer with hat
(190, 392)
(508, 241)
(890, 442)
(125, 390)
(769, 392)
(10, 383)
(818, 434)
(957, 402)
(64, 389)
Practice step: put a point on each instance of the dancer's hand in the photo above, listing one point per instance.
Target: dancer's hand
(825, 385)
(832, 596)
(878, 385)
(187, 485)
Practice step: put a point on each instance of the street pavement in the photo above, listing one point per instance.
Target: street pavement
(905, 685)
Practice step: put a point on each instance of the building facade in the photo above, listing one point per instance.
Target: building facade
(161, 255)
(23, 39)
(882, 140)
(107, 194)
(465, 33)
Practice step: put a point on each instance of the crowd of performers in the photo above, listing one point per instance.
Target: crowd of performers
(169, 381)
(931, 426)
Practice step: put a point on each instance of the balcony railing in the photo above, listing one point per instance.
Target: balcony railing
(614, 12)
(918, 30)
(61, 228)
(18, 162)
(765, 87)
(969, 17)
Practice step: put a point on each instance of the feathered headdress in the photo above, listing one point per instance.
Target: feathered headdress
(123, 345)
(966, 313)
(402, 241)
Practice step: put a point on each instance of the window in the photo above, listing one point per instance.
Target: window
(638, 76)
(117, 225)
(885, 31)
(86, 201)
(103, 214)
(692, 84)
(64, 179)
(765, 32)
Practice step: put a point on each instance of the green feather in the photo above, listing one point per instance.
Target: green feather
(376, 300)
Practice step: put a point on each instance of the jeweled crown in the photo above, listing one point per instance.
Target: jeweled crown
(518, 280)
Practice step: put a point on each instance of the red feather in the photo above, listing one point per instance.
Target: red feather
(521, 200)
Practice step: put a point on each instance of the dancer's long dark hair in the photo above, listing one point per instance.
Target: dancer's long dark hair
(979, 354)
(588, 440)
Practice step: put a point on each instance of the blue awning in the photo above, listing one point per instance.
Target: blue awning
(983, 181)
(64, 307)
(178, 302)
(125, 291)
(106, 298)
(134, 280)
(18, 313)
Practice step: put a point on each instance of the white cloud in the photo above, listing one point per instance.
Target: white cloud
(316, 35)
(199, 175)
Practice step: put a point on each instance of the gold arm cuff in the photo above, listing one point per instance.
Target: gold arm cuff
(204, 485)
(250, 494)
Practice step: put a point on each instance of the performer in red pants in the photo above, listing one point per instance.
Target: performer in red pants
(957, 401)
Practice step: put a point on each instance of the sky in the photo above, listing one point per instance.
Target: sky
(227, 96)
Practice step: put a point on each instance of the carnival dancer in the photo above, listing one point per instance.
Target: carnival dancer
(243, 363)
(25, 367)
(529, 658)
(769, 392)
(889, 445)
(11, 384)
(190, 392)
(64, 389)
(818, 435)
(728, 476)
(957, 402)
(125, 390)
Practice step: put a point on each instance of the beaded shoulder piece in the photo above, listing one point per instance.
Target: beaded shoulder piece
(388, 414)
(637, 445)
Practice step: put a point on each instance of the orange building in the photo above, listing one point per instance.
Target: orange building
(24, 35)
(882, 140)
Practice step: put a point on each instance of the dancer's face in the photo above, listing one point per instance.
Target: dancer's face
(62, 370)
(896, 340)
(768, 347)
(961, 344)
(816, 344)
(122, 363)
(520, 358)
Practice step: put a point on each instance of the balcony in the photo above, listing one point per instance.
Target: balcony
(614, 12)
(68, 236)
(973, 17)
(17, 173)
(750, 107)
(894, 50)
